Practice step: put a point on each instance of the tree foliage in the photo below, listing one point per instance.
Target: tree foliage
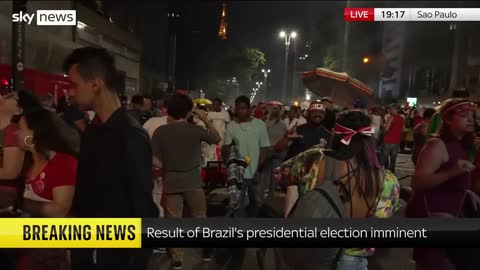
(329, 60)
(242, 63)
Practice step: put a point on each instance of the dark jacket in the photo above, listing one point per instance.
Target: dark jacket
(312, 135)
(114, 170)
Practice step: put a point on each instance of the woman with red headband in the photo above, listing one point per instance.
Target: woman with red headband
(367, 189)
(442, 174)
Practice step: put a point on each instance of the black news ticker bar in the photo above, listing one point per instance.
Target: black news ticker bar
(394, 232)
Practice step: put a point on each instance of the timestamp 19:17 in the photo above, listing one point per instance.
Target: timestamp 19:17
(394, 14)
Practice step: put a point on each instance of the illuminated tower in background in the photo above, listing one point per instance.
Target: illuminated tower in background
(222, 31)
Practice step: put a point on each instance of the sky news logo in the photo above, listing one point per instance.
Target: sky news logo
(47, 17)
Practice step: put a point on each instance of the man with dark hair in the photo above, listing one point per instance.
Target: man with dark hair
(295, 118)
(124, 101)
(310, 134)
(157, 121)
(251, 136)
(180, 158)
(259, 111)
(114, 166)
(149, 108)
(217, 104)
(138, 111)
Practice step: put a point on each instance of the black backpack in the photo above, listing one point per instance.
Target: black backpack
(321, 202)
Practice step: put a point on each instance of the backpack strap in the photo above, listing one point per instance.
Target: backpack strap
(339, 214)
(330, 201)
(331, 169)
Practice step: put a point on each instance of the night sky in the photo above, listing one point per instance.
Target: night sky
(257, 24)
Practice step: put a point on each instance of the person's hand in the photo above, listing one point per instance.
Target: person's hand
(463, 166)
(477, 141)
(277, 174)
(292, 134)
(201, 114)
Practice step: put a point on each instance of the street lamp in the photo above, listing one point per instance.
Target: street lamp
(366, 60)
(265, 75)
(288, 38)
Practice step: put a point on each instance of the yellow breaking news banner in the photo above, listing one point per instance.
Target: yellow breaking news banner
(70, 233)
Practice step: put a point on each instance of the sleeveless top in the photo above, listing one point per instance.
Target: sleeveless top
(303, 170)
(448, 196)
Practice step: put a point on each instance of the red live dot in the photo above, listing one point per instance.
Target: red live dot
(359, 14)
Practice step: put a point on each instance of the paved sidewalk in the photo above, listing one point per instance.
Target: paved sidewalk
(385, 258)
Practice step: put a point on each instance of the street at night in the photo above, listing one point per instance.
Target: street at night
(235, 135)
(391, 258)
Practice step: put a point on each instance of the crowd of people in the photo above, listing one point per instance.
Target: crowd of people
(98, 155)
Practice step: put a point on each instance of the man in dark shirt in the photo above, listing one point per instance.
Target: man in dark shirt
(150, 109)
(138, 110)
(114, 169)
(310, 134)
(181, 162)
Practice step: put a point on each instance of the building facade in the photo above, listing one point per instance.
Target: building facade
(47, 46)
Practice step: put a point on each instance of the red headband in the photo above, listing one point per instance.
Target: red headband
(349, 133)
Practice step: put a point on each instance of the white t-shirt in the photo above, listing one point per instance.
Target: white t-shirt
(150, 126)
(219, 120)
(209, 151)
(376, 123)
(295, 122)
(153, 123)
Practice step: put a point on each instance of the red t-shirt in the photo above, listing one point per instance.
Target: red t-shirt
(417, 119)
(259, 114)
(61, 170)
(394, 133)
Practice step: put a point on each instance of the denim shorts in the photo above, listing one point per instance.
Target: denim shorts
(347, 262)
